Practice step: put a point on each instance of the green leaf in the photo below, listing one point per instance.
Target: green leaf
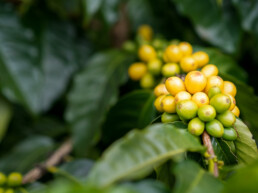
(164, 174)
(243, 180)
(246, 148)
(25, 154)
(224, 151)
(215, 24)
(110, 11)
(5, 116)
(90, 7)
(191, 178)
(35, 66)
(94, 91)
(134, 110)
(139, 151)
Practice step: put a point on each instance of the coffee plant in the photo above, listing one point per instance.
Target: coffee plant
(128, 96)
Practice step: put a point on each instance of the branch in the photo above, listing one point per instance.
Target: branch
(213, 165)
(37, 172)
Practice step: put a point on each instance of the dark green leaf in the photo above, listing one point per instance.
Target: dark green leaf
(134, 110)
(94, 91)
(34, 67)
(139, 151)
(5, 116)
(164, 174)
(90, 7)
(212, 23)
(224, 151)
(191, 178)
(246, 149)
(110, 11)
(27, 153)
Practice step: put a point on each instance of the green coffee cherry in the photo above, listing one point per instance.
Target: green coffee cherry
(227, 118)
(147, 81)
(215, 128)
(154, 66)
(196, 126)
(158, 43)
(168, 118)
(230, 134)
(2, 179)
(9, 190)
(170, 69)
(187, 109)
(129, 46)
(220, 102)
(213, 91)
(14, 179)
(206, 113)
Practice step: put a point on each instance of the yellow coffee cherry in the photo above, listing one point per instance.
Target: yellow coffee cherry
(147, 53)
(195, 81)
(137, 70)
(236, 111)
(188, 64)
(154, 66)
(160, 89)
(174, 85)
(168, 104)
(170, 69)
(147, 81)
(201, 58)
(183, 95)
(145, 32)
(229, 88)
(233, 102)
(200, 98)
(210, 70)
(186, 48)
(157, 103)
(214, 81)
(173, 54)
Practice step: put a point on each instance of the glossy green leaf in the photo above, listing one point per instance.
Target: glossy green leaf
(213, 22)
(246, 148)
(191, 178)
(243, 180)
(110, 11)
(139, 151)
(5, 116)
(27, 153)
(224, 151)
(90, 7)
(94, 91)
(134, 110)
(34, 66)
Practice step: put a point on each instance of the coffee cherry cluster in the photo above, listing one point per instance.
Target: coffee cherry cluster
(202, 99)
(9, 183)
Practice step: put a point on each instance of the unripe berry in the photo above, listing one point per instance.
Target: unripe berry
(214, 81)
(160, 89)
(168, 104)
(147, 81)
(157, 103)
(137, 70)
(213, 91)
(2, 179)
(168, 118)
(201, 58)
(215, 128)
(207, 113)
(229, 88)
(173, 53)
(227, 118)
(186, 109)
(154, 66)
(170, 69)
(230, 134)
(236, 111)
(174, 85)
(233, 102)
(147, 53)
(195, 82)
(196, 126)
(185, 48)
(183, 95)
(200, 98)
(145, 32)
(220, 102)
(14, 179)
(188, 64)
(210, 70)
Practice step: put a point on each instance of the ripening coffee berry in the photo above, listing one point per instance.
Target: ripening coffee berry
(206, 113)
(183, 95)
(2, 179)
(157, 103)
(174, 85)
(185, 48)
(173, 54)
(227, 118)
(147, 81)
(201, 58)
(196, 126)
(9, 190)
(168, 118)
(195, 82)
(14, 179)
(200, 98)
(147, 53)
(236, 111)
(220, 102)
(137, 70)
(154, 66)
(214, 81)
(170, 69)
(230, 134)
(210, 70)
(213, 91)
(233, 102)
(188, 64)
(159, 43)
(229, 88)
(160, 89)
(168, 104)
(215, 128)
(186, 109)
(2, 190)
(145, 32)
